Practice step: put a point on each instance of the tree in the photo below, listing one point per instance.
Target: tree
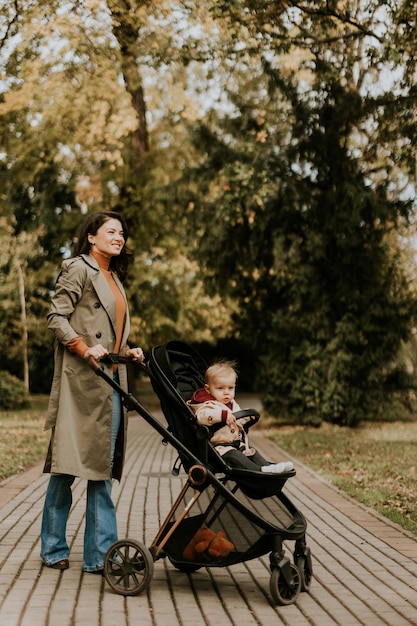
(19, 298)
(313, 168)
(74, 126)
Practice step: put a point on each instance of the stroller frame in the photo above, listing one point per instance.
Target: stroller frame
(227, 494)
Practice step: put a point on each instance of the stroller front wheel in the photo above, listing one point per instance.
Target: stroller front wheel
(285, 592)
(304, 567)
(128, 567)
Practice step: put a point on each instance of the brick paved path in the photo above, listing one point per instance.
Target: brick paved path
(365, 568)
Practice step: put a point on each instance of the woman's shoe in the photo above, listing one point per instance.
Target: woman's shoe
(61, 565)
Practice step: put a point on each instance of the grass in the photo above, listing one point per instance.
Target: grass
(375, 463)
(23, 441)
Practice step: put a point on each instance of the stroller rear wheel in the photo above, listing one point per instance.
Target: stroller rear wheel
(285, 592)
(128, 567)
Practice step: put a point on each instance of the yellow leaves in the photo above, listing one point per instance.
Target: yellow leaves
(94, 6)
(89, 190)
(22, 96)
(269, 28)
(261, 136)
(177, 300)
(20, 248)
(294, 62)
(68, 79)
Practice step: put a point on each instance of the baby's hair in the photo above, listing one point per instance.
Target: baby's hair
(220, 367)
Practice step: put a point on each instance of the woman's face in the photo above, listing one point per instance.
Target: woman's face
(109, 239)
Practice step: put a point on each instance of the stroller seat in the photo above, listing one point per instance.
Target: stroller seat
(176, 371)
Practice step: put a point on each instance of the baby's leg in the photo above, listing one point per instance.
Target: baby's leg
(256, 463)
(257, 458)
(235, 458)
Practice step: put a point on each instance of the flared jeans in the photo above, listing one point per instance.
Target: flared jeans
(100, 520)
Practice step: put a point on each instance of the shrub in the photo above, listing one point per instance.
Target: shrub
(13, 394)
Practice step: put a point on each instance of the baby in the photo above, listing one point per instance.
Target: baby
(214, 406)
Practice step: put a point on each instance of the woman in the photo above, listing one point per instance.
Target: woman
(89, 317)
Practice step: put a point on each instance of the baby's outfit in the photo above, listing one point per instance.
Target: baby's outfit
(229, 440)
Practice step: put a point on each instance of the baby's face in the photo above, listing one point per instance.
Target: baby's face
(222, 388)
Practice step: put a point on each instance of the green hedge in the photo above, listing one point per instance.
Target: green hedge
(13, 394)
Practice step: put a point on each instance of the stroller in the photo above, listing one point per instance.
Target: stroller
(214, 521)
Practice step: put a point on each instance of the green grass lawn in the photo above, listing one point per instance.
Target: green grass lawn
(375, 463)
(23, 441)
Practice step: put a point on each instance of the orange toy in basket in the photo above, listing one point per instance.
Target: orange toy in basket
(208, 542)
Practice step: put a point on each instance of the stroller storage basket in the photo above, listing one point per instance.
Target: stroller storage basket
(250, 533)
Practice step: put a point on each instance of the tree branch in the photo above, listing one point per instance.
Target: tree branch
(10, 25)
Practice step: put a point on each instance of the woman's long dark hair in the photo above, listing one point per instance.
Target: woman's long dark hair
(91, 224)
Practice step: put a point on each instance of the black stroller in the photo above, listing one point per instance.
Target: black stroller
(215, 501)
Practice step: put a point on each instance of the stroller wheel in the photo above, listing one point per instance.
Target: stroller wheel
(128, 567)
(285, 592)
(304, 567)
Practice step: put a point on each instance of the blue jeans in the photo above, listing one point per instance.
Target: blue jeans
(100, 521)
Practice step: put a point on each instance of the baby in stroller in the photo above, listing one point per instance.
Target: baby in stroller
(215, 406)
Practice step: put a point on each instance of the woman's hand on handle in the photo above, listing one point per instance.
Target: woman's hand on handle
(136, 354)
(97, 352)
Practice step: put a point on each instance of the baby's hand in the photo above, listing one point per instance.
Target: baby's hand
(231, 420)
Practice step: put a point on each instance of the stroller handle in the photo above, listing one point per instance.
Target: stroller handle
(114, 358)
(93, 364)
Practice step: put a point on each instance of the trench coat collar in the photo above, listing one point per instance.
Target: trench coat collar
(105, 295)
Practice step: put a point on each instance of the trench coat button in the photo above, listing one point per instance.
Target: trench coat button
(97, 305)
(98, 335)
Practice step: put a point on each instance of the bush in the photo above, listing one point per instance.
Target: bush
(13, 394)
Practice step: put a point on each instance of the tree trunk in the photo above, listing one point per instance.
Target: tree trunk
(23, 319)
(126, 32)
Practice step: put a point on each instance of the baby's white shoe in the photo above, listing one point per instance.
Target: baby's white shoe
(278, 468)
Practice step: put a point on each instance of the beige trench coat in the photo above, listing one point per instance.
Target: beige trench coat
(80, 403)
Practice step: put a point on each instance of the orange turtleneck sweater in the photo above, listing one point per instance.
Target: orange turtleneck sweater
(77, 345)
